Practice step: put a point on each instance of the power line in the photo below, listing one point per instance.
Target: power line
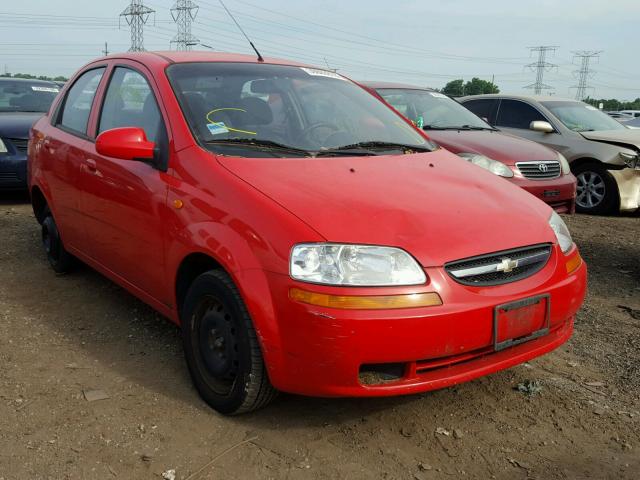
(584, 73)
(184, 12)
(136, 15)
(540, 67)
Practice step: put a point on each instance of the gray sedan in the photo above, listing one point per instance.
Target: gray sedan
(604, 154)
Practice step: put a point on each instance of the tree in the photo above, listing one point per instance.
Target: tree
(477, 87)
(28, 76)
(455, 88)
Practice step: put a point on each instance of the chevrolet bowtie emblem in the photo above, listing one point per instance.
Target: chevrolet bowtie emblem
(506, 265)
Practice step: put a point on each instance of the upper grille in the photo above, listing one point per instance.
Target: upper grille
(539, 170)
(500, 267)
(20, 144)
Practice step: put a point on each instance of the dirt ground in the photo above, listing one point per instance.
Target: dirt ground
(62, 337)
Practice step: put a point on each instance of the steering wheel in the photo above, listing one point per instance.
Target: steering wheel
(310, 133)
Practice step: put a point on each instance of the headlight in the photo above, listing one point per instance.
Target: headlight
(630, 158)
(564, 164)
(3, 148)
(561, 231)
(357, 265)
(487, 163)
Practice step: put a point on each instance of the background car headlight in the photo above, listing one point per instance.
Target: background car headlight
(487, 163)
(562, 232)
(3, 148)
(357, 265)
(564, 164)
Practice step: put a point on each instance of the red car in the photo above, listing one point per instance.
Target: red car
(534, 167)
(304, 235)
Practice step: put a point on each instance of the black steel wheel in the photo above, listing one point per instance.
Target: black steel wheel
(221, 347)
(60, 260)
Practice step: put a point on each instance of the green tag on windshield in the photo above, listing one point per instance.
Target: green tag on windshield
(420, 122)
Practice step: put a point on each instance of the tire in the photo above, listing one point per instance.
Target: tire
(597, 191)
(60, 260)
(221, 347)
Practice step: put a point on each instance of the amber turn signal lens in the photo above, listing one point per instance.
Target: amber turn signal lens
(366, 302)
(573, 263)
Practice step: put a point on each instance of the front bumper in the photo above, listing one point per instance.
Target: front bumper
(13, 171)
(628, 180)
(321, 350)
(559, 193)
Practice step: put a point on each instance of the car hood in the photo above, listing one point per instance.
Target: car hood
(17, 124)
(500, 146)
(436, 205)
(627, 137)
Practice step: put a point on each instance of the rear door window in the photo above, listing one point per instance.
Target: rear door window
(77, 104)
(484, 108)
(517, 114)
(129, 102)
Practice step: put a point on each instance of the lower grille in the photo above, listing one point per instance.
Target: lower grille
(501, 267)
(539, 170)
(8, 177)
(20, 144)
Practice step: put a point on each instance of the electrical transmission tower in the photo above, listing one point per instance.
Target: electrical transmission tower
(584, 73)
(136, 15)
(540, 67)
(183, 13)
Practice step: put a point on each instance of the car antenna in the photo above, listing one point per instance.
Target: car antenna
(260, 59)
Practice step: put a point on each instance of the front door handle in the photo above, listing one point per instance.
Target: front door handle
(90, 165)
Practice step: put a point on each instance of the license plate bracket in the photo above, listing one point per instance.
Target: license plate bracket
(513, 316)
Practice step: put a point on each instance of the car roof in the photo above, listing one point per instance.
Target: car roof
(382, 85)
(531, 98)
(27, 80)
(170, 57)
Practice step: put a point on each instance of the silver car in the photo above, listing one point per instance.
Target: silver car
(604, 154)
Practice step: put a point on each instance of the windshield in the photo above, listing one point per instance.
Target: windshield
(244, 108)
(24, 96)
(431, 109)
(581, 117)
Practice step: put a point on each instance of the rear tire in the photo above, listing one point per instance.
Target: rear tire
(60, 260)
(221, 347)
(597, 190)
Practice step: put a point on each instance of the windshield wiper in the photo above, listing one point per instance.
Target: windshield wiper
(260, 144)
(368, 147)
(458, 127)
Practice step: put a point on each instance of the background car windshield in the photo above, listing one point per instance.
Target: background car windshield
(581, 117)
(299, 107)
(436, 109)
(21, 96)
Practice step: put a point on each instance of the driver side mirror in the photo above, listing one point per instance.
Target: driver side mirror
(126, 143)
(541, 126)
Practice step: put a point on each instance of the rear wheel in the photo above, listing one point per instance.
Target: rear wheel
(221, 347)
(597, 191)
(60, 260)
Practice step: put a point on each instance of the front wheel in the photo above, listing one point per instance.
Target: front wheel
(221, 347)
(597, 191)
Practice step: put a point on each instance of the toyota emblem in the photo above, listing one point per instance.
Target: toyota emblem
(543, 167)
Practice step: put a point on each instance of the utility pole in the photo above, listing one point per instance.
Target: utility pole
(584, 73)
(136, 15)
(105, 52)
(184, 12)
(540, 67)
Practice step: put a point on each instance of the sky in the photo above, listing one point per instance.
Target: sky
(425, 43)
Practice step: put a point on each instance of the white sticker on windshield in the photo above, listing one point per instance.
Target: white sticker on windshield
(437, 95)
(322, 73)
(590, 107)
(45, 89)
(217, 128)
